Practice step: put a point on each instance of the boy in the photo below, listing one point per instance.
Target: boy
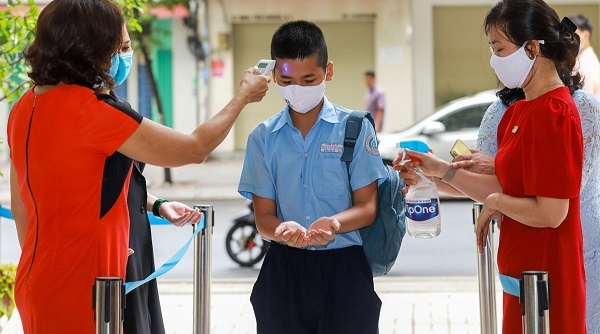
(315, 277)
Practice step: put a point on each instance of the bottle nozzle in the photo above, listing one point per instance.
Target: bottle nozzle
(414, 145)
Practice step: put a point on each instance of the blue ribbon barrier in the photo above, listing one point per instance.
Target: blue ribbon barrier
(6, 213)
(166, 267)
(510, 285)
(157, 221)
(171, 262)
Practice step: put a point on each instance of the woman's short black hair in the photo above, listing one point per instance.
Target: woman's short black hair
(74, 42)
(299, 40)
(526, 20)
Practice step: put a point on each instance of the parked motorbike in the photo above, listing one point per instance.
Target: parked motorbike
(244, 244)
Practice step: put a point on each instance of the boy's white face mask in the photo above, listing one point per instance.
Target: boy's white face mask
(302, 99)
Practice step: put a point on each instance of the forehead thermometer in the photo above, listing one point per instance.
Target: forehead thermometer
(265, 66)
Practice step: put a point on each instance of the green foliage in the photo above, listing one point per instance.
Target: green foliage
(132, 9)
(171, 3)
(7, 289)
(17, 25)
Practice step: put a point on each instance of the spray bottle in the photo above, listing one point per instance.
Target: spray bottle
(422, 201)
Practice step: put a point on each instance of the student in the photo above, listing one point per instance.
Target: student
(539, 209)
(68, 184)
(315, 277)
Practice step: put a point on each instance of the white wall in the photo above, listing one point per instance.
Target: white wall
(185, 111)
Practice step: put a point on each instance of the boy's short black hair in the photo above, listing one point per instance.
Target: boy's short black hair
(299, 40)
(370, 74)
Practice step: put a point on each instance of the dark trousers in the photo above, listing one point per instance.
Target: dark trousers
(302, 291)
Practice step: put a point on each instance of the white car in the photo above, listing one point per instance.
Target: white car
(459, 119)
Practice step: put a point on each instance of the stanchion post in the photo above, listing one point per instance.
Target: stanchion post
(487, 283)
(202, 272)
(535, 302)
(108, 296)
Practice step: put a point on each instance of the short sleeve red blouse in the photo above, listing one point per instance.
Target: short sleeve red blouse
(541, 154)
(74, 187)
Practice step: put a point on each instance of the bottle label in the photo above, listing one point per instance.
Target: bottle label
(422, 209)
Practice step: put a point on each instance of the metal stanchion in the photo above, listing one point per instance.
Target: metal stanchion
(108, 302)
(535, 302)
(202, 272)
(487, 284)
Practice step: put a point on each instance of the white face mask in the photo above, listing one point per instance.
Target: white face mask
(302, 99)
(514, 68)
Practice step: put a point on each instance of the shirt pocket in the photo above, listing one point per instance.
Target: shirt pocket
(331, 179)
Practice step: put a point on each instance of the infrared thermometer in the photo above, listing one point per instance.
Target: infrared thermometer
(265, 66)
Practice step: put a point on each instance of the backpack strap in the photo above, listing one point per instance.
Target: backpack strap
(353, 127)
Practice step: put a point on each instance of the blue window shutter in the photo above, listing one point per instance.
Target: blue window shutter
(144, 92)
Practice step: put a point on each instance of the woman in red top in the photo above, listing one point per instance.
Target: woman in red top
(541, 227)
(71, 158)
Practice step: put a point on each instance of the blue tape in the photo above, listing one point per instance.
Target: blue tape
(165, 268)
(157, 221)
(510, 285)
(169, 264)
(6, 213)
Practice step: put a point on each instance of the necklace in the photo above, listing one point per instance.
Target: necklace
(543, 90)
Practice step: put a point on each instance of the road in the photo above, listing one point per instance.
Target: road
(452, 253)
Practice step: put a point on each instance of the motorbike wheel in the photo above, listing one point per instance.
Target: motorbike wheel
(244, 245)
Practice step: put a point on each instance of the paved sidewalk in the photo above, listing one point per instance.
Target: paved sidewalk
(411, 305)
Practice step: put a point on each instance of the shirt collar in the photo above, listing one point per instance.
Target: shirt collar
(327, 114)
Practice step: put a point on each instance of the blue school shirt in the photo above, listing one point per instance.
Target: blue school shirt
(305, 176)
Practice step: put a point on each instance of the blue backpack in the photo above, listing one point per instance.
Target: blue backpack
(382, 239)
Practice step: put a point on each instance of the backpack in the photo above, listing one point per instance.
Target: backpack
(381, 239)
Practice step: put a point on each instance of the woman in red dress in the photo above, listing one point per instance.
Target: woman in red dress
(71, 161)
(539, 212)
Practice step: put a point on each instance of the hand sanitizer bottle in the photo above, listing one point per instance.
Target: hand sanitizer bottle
(422, 201)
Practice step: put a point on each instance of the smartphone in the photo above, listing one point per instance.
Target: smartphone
(459, 148)
(265, 66)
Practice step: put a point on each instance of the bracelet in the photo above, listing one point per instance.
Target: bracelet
(156, 206)
(449, 174)
(497, 199)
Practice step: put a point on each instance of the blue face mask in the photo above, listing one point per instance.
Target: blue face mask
(120, 66)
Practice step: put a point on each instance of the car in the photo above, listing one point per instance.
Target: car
(458, 119)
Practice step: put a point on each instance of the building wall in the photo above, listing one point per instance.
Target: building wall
(350, 47)
(440, 63)
(426, 51)
(185, 110)
(392, 40)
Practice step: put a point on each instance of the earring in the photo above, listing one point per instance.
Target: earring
(531, 56)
